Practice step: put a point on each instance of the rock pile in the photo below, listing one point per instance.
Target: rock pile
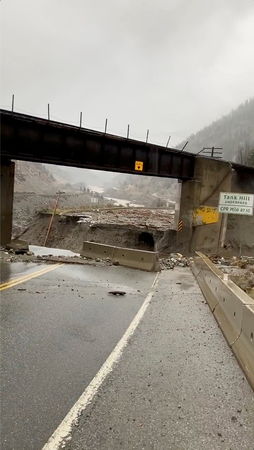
(235, 261)
(173, 260)
(19, 247)
(240, 270)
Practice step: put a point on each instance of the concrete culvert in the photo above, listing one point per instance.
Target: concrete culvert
(146, 241)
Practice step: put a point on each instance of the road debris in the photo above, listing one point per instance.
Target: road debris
(173, 260)
(18, 246)
(239, 269)
(117, 292)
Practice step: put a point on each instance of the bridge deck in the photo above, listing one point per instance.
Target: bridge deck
(29, 138)
(39, 140)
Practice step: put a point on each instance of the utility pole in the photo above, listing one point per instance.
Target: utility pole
(52, 217)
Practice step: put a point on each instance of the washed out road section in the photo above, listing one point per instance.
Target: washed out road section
(57, 330)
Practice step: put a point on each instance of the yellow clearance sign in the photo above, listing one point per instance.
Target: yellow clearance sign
(139, 165)
(205, 215)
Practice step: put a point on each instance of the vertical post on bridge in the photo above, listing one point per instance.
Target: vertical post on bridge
(12, 103)
(80, 120)
(128, 131)
(48, 112)
(147, 134)
(185, 145)
(106, 126)
(168, 141)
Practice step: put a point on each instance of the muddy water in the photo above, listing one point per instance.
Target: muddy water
(42, 251)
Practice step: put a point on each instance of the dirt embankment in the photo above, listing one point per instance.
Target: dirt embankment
(28, 205)
(239, 269)
(134, 228)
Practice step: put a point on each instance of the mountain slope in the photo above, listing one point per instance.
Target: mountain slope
(33, 177)
(234, 132)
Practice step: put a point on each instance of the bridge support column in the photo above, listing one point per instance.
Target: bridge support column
(7, 188)
(190, 195)
(210, 178)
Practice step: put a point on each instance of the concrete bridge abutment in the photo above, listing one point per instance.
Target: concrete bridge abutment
(210, 178)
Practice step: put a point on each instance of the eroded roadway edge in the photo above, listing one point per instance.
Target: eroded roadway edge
(177, 386)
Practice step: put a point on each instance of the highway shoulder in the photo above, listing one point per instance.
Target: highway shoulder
(177, 385)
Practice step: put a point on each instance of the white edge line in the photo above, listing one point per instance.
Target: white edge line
(62, 434)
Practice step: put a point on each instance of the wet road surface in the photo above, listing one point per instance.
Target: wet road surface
(177, 386)
(12, 271)
(57, 330)
(38, 250)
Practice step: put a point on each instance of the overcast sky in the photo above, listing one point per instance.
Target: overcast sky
(172, 66)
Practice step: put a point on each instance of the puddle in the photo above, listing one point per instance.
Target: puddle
(42, 251)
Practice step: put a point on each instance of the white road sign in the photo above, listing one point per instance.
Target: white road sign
(236, 203)
(247, 210)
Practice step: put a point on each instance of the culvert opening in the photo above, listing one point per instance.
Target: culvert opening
(146, 241)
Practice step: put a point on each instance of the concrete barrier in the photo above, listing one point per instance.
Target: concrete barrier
(208, 277)
(136, 259)
(232, 308)
(94, 250)
(244, 346)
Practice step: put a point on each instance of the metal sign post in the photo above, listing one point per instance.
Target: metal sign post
(223, 230)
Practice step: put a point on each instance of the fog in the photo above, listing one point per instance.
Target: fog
(87, 177)
(172, 66)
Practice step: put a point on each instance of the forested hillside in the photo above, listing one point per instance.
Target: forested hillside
(234, 132)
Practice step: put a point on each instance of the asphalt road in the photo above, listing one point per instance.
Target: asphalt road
(177, 386)
(56, 331)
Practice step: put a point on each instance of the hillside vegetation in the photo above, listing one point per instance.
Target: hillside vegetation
(234, 132)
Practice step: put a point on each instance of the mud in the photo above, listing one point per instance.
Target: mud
(28, 205)
(50, 259)
(239, 269)
(134, 228)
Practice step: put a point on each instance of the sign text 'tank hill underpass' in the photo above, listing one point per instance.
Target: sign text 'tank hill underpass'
(236, 203)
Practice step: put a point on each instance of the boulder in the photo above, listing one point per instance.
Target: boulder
(18, 246)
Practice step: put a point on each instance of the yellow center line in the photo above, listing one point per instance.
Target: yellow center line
(22, 277)
(19, 280)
